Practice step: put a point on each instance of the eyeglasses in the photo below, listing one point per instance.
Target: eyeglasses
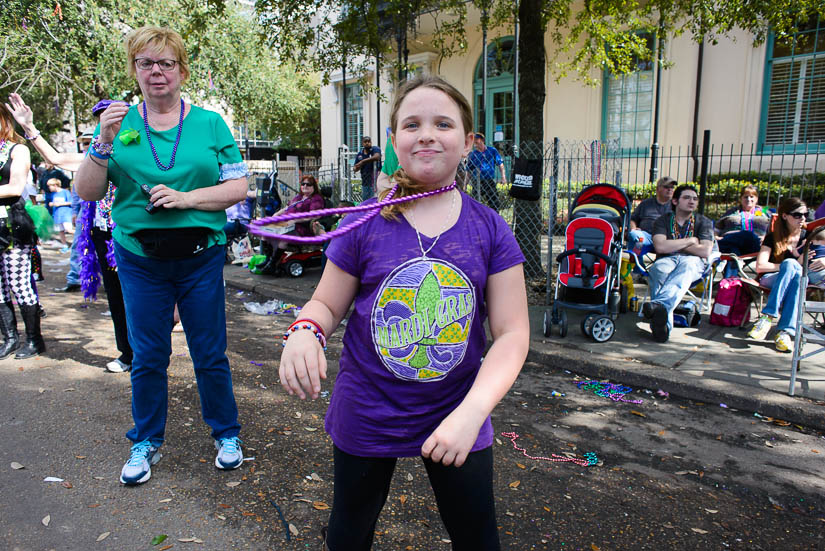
(306, 183)
(798, 215)
(144, 64)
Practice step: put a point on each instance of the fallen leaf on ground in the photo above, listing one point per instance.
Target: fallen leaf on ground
(103, 536)
(639, 413)
(320, 505)
(293, 530)
(16, 466)
(699, 531)
(594, 547)
(520, 466)
(165, 547)
(160, 538)
(515, 484)
(233, 484)
(167, 500)
(403, 499)
(712, 511)
(46, 520)
(52, 479)
(67, 485)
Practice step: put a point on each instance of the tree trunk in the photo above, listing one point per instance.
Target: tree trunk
(531, 92)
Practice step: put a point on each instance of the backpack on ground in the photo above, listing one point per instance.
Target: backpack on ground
(732, 305)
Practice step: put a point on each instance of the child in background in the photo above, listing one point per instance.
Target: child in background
(61, 204)
(413, 377)
(817, 250)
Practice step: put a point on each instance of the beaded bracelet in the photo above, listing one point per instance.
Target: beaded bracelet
(94, 153)
(32, 138)
(297, 326)
(104, 149)
(313, 322)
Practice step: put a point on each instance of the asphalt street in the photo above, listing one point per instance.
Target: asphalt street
(667, 472)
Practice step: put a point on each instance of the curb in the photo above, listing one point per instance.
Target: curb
(795, 410)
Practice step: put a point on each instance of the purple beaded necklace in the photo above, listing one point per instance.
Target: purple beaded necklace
(152, 146)
(256, 229)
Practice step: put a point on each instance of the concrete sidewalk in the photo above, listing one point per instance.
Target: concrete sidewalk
(709, 364)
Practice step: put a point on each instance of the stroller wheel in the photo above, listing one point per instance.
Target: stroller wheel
(587, 323)
(563, 324)
(602, 329)
(547, 324)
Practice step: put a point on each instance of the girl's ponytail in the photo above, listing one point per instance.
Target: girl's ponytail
(406, 187)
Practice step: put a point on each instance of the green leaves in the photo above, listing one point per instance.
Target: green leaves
(63, 66)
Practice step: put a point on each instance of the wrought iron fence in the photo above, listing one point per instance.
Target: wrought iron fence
(718, 171)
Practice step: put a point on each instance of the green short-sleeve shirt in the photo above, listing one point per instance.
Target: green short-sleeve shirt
(206, 155)
(391, 163)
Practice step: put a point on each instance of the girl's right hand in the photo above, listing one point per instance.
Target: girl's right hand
(110, 121)
(303, 365)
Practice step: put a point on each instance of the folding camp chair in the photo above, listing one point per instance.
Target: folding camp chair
(813, 332)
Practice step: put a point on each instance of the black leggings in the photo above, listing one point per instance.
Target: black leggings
(464, 496)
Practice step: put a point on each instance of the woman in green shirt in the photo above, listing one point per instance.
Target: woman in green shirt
(177, 169)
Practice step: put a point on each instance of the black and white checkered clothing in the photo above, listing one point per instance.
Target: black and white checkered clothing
(15, 269)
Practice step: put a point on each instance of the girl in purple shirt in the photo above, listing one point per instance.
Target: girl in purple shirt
(413, 377)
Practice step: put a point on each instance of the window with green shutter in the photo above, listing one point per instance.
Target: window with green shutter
(793, 111)
(355, 117)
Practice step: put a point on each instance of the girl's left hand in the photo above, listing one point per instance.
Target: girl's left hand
(817, 265)
(169, 198)
(453, 439)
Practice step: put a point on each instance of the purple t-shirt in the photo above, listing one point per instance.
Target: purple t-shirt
(414, 342)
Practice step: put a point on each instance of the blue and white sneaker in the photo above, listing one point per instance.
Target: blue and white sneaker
(230, 455)
(139, 467)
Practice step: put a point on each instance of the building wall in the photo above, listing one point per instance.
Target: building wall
(732, 82)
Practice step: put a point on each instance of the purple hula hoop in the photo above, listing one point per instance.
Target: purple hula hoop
(374, 207)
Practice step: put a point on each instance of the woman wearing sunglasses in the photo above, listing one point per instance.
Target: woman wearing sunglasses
(779, 265)
(308, 199)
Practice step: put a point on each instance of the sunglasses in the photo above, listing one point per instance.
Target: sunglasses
(306, 183)
(798, 215)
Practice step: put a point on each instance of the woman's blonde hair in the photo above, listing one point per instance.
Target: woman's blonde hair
(156, 38)
(406, 186)
(781, 232)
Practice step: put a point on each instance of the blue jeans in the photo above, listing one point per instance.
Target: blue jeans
(738, 243)
(783, 302)
(671, 277)
(151, 288)
(640, 242)
(73, 277)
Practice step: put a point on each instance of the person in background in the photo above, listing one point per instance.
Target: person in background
(18, 233)
(742, 227)
(61, 205)
(309, 199)
(820, 211)
(187, 170)
(368, 161)
(95, 225)
(484, 162)
(49, 171)
(683, 240)
(646, 213)
(817, 251)
(779, 265)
